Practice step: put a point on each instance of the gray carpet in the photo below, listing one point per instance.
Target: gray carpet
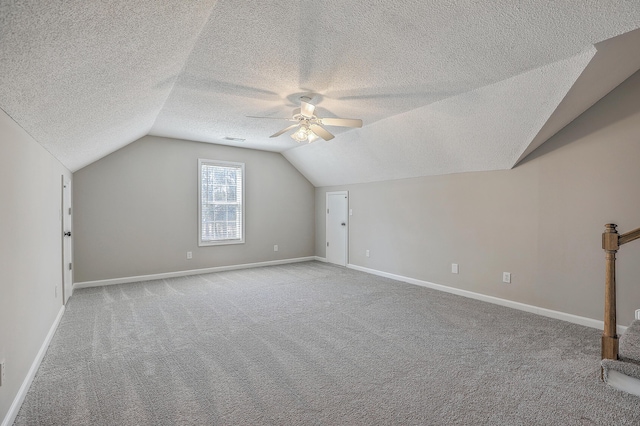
(314, 344)
(629, 354)
(630, 343)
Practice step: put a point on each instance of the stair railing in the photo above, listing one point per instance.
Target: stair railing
(611, 242)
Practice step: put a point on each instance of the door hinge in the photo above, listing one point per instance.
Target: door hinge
(70, 265)
(327, 211)
(327, 243)
(69, 211)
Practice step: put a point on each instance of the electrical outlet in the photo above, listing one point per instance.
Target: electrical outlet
(275, 247)
(367, 253)
(506, 277)
(454, 268)
(638, 314)
(350, 212)
(2, 379)
(189, 255)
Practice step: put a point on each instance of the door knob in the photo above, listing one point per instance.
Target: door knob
(67, 234)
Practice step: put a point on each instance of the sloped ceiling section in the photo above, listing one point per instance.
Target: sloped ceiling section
(616, 59)
(442, 86)
(85, 78)
(483, 129)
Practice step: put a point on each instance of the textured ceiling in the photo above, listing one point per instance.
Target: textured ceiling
(442, 87)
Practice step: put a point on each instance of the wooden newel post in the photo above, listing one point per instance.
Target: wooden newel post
(609, 336)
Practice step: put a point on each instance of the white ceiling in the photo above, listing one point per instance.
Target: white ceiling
(442, 87)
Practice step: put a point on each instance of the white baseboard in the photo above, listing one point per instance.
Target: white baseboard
(589, 322)
(139, 278)
(320, 259)
(22, 392)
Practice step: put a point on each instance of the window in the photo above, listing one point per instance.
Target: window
(220, 202)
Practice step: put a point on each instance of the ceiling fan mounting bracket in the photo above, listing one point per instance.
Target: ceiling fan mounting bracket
(301, 119)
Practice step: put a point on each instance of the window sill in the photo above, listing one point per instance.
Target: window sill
(219, 243)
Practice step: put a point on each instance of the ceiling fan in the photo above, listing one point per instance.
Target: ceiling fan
(309, 125)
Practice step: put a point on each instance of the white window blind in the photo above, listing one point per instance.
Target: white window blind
(221, 202)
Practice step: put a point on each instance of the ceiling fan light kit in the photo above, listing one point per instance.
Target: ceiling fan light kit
(310, 126)
(301, 135)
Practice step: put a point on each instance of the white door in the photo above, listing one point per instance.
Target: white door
(337, 227)
(67, 272)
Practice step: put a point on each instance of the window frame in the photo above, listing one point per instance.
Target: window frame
(206, 162)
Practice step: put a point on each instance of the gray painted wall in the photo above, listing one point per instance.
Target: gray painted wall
(30, 251)
(136, 210)
(541, 221)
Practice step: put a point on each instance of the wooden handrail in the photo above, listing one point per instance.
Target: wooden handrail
(611, 242)
(629, 236)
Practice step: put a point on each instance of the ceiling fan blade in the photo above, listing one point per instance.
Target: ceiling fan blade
(321, 132)
(275, 135)
(306, 109)
(343, 122)
(272, 118)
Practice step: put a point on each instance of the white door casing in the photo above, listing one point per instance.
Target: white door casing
(337, 226)
(67, 271)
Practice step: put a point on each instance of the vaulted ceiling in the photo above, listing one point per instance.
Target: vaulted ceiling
(442, 86)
